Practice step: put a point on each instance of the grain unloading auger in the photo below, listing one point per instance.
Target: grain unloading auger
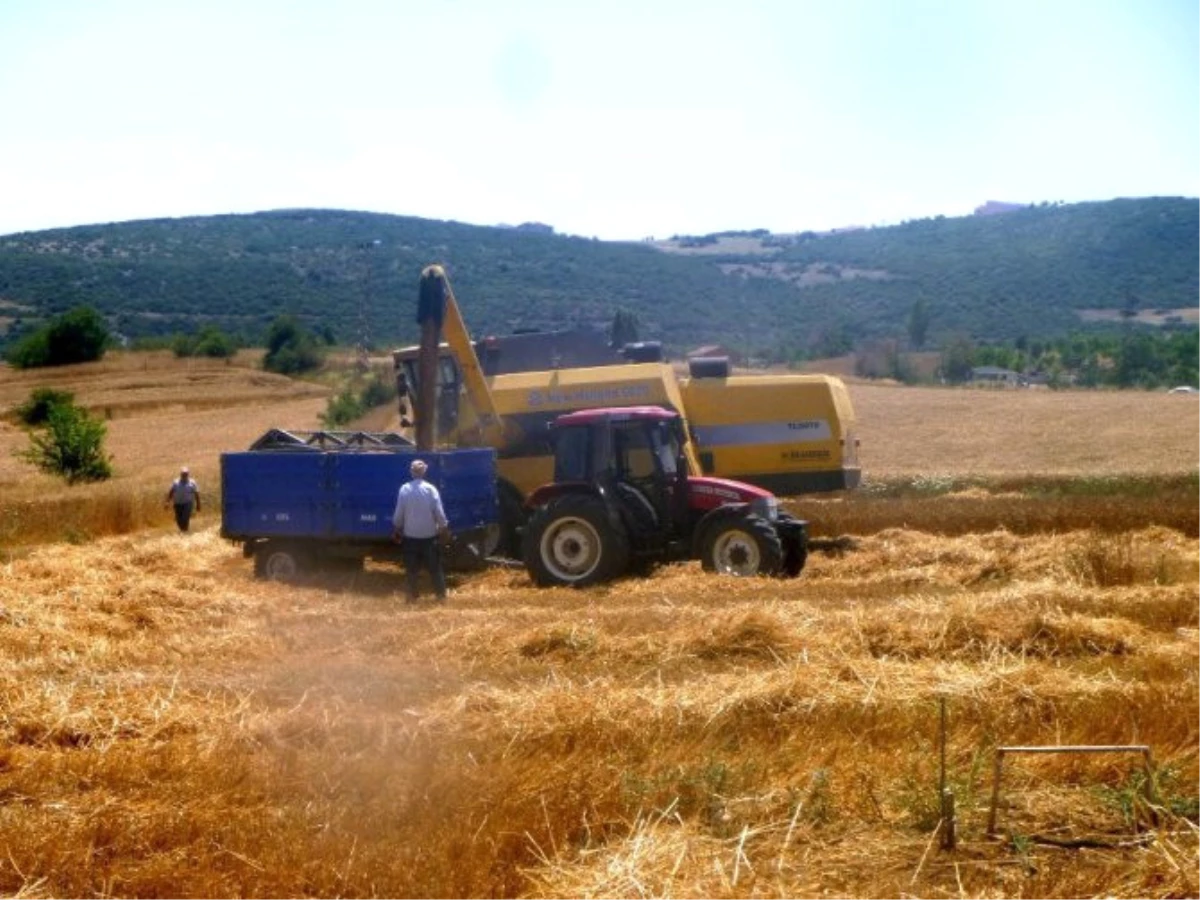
(788, 434)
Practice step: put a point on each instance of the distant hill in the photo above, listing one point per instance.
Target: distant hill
(1038, 272)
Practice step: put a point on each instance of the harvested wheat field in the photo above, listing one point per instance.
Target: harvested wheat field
(170, 726)
(173, 727)
(1112, 459)
(928, 432)
(160, 413)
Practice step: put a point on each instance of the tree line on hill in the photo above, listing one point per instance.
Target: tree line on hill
(1132, 358)
(67, 441)
(82, 335)
(1135, 359)
(351, 278)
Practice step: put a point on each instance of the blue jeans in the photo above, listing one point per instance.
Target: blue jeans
(425, 552)
(183, 515)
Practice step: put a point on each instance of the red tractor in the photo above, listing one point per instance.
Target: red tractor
(622, 499)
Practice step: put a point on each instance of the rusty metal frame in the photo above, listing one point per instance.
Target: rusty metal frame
(997, 770)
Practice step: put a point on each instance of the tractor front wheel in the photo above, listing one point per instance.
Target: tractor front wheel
(571, 541)
(741, 545)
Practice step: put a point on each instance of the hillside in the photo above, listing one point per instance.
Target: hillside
(1035, 272)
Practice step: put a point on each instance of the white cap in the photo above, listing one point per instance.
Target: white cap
(417, 468)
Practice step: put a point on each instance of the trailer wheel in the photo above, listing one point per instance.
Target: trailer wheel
(279, 562)
(572, 542)
(741, 545)
(504, 536)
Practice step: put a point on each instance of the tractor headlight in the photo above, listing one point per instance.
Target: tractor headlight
(766, 507)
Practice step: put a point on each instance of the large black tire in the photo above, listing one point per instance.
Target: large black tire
(571, 541)
(793, 537)
(280, 561)
(795, 555)
(741, 545)
(504, 537)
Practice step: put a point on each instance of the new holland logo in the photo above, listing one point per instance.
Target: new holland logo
(588, 396)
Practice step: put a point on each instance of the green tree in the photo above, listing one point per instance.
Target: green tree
(36, 410)
(214, 343)
(290, 348)
(30, 352)
(342, 408)
(834, 341)
(624, 329)
(183, 346)
(958, 358)
(357, 398)
(79, 335)
(918, 323)
(70, 445)
(1141, 361)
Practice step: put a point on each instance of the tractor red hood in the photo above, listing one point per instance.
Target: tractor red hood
(706, 493)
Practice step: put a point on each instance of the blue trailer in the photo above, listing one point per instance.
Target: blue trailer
(297, 500)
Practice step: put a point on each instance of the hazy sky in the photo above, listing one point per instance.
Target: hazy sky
(609, 119)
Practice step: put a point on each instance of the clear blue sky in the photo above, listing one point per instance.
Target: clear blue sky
(612, 119)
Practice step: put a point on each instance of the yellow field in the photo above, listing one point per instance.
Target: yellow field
(171, 726)
(932, 431)
(161, 413)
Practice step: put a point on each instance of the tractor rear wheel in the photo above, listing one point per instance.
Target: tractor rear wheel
(741, 545)
(571, 541)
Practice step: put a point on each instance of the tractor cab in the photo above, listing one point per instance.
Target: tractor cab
(634, 457)
(622, 493)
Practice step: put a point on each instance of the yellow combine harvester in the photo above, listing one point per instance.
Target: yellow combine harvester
(790, 434)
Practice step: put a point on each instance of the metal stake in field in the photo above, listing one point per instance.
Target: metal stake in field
(945, 794)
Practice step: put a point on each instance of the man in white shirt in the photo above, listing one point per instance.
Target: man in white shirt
(417, 523)
(184, 493)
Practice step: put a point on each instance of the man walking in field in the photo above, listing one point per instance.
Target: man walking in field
(185, 494)
(417, 524)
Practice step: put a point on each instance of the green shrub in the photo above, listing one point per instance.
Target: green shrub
(211, 342)
(356, 399)
(183, 346)
(378, 391)
(214, 343)
(74, 337)
(31, 352)
(290, 348)
(342, 409)
(36, 410)
(70, 445)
